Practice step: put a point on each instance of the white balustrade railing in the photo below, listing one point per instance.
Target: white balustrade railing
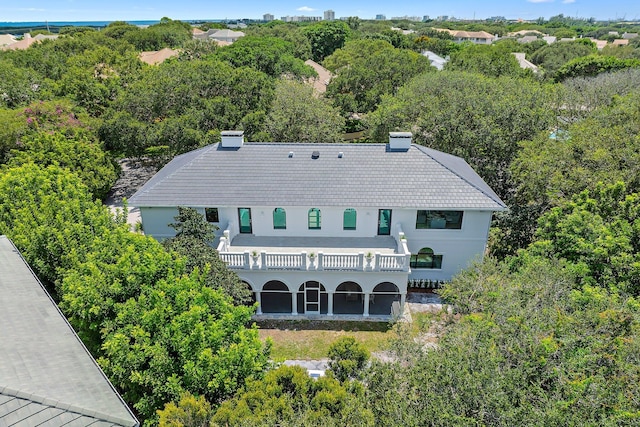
(282, 261)
(353, 262)
(321, 261)
(391, 262)
(235, 259)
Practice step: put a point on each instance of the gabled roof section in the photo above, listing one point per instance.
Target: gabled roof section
(47, 376)
(287, 174)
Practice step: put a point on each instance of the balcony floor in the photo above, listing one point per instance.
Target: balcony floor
(330, 245)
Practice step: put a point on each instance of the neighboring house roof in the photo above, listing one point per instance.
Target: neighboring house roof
(629, 35)
(620, 42)
(223, 37)
(524, 32)
(366, 175)
(47, 376)
(436, 61)
(549, 39)
(524, 64)
(600, 44)
(21, 44)
(157, 56)
(324, 76)
(226, 34)
(41, 37)
(195, 31)
(527, 39)
(6, 39)
(468, 35)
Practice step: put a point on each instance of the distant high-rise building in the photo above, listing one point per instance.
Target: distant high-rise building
(267, 17)
(329, 15)
(301, 18)
(426, 18)
(381, 17)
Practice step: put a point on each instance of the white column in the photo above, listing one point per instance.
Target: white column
(329, 303)
(403, 298)
(366, 304)
(294, 303)
(258, 300)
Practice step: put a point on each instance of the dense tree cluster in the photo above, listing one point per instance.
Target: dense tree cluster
(544, 332)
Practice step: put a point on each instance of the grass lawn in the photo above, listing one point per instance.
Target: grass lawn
(308, 339)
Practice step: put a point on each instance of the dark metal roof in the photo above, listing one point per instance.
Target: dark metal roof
(47, 376)
(366, 175)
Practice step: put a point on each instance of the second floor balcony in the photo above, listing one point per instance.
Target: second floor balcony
(364, 254)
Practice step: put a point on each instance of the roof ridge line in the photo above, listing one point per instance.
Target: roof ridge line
(421, 148)
(67, 407)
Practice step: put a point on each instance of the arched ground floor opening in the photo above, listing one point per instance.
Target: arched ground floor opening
(348, 299)
(252, 299)
(275, 297)
(382, 298)
(312, 298)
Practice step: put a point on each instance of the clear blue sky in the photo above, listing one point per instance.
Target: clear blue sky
(107, 10)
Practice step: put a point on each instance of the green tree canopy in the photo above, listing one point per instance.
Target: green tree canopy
(468, 115)
(592, 65)
(271, 55)
(489, 60)
(193, 240)
(299, 115)
(555, 55)
(368, 69)
(288, 396)
(180, 335)
(79, 154)
(325, 37)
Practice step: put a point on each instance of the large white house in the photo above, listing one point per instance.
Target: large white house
(329, 229)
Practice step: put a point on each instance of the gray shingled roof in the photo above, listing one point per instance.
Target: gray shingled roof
(367, 175)
(47, 376)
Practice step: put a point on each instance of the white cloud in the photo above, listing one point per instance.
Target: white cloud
(540, 1)
(305, 9)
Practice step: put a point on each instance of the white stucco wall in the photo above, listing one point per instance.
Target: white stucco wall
(457, 247)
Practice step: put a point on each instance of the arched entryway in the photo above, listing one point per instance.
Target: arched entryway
(348, 299)
(382, 298)
(312, 298)
(275, 297)
(252, 300)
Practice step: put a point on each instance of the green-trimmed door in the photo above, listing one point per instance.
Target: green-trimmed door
(384, 222)
(244, 215)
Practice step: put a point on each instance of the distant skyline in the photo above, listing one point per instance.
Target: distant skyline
(88, 10)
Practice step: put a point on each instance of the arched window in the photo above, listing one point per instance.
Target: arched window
(314, 219)
(349, 219)
(279, 219)
(426, 259)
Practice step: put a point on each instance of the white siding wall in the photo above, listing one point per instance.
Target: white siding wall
(458, 247)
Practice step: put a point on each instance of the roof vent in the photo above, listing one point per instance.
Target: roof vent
(315, 155)
(290, 154)
(232, 138)
(399, 141)
(340, 154)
